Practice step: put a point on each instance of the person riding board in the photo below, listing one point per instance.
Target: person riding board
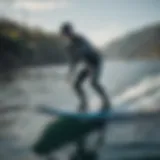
(80, 50)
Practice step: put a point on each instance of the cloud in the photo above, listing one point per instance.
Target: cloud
(4, 5)
(39, 5)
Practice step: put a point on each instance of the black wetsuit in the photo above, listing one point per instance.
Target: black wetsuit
(81, 50)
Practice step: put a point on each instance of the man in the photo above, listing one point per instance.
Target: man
(79, 49)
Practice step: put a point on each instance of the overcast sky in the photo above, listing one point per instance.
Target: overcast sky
(100, 20)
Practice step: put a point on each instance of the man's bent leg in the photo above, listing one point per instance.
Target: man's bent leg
(100, 89)
(78, 88)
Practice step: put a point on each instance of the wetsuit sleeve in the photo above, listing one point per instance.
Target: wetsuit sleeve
(71, 59)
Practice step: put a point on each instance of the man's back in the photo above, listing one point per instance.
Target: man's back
(81, 49)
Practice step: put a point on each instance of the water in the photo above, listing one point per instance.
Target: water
(133, 85)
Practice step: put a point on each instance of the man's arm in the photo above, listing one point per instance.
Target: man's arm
(72, 63)
(72, 68)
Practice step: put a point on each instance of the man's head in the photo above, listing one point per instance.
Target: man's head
(67, 30)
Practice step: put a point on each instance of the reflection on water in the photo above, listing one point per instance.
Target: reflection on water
(131, 85)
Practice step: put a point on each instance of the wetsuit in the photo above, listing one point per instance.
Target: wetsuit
(81, 50)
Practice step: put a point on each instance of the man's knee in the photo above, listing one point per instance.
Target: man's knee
(77, 86)
(95, 84)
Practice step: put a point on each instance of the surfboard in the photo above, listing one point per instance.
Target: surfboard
(67, 128)
(72, 126)
(53, 111)
(114, 115)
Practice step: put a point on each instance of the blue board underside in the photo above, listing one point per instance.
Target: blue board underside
(109, 115)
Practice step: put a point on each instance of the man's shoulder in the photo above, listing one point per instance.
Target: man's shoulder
(79, 37)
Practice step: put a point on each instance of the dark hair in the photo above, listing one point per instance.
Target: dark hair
(66, 28)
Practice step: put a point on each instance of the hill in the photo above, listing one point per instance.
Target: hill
(21, 46)
(139, 44)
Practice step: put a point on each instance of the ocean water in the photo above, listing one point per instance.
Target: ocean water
(131, 85)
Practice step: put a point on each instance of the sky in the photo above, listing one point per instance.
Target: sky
(99, 20)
